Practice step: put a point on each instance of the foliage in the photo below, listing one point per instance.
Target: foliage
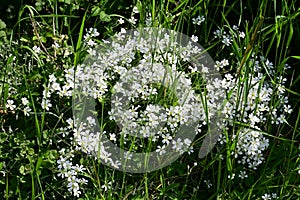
(254, 44)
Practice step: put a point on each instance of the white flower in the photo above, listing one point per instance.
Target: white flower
(227, 40)
(132, 20)
(231, 176)
(274, 196)
(224, 63)
(123, 30)
(46, 104)
(55, 86)
(78, 168)
(253, 119)
(26, 111)
(217, 33)
(187, 142)
(121, 21)
(65, 92)
(55, 45)
(135, 10)
(10, 104)
(235, 27)
(70, 123)
(161, 150)
(250, 147)
(24, 101)
(46, 93)
(208, 183)
(242, 34)
(52, 78)
(92, 52)
(243, 175)
(94, 32)
(193, 69)
(221, 64)
(266, 197)
(148, 20)
(112, 137)
(194, 38)
(36, 49)
(166, 138)
(287, 109)
(198, 20)
(177, 145)
(91, 121)
(107, 186)
(73, 186)
(91, 43)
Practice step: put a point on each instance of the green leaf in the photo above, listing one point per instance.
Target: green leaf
(2, 34)
(96, 11)
(2, 25)
(35, 76)
(296, 57)
(104, 17)
(42, 38)
(24, 39)
(22, 169)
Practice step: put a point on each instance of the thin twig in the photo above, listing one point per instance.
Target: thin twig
(33, 23)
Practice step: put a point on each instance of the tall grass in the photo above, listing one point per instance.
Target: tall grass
(31, 146)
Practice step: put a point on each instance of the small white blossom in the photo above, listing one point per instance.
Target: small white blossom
(194, 38)
(242, 34)
(46, 104)
(24, 101)
(121, 21)
(161, 150)
(198, 20)
(26, 111)
(10, 105)
(266, 197)
(135, 10)
(208, 183)
(36, 49)
(243, 175)
(132, 20)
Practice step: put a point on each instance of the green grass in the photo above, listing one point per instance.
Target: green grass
(30, 146)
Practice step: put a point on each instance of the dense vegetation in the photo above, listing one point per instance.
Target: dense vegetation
(45, 153)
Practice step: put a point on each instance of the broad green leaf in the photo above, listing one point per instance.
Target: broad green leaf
(22, 169)
(2, 34)
(96, 11)
(104, 17)
(2, 24)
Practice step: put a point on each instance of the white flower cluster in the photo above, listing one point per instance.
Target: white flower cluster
(55, 86)
(250, 147)
(269, 196)
(249, 102)
(138, 84)
(198, 20)
(227, 38)
(91, 33)
(88, 141)
(138, 80)
(10, 105)
(71, 172)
